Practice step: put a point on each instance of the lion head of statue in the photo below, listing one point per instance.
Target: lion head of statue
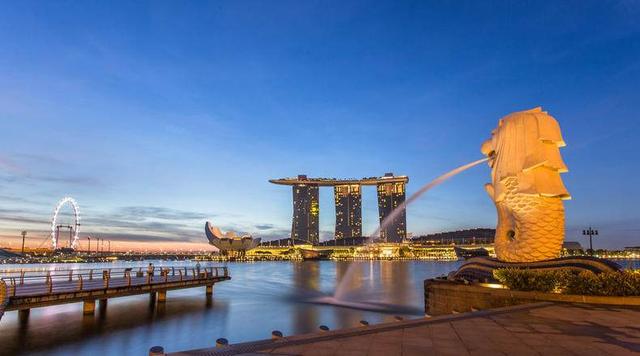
(526, 146)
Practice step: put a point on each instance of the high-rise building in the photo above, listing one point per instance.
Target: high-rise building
(390, 196)
(348, 210)
(306, 212)
(348, 200)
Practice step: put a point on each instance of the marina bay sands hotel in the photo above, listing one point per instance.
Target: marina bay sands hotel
(348, 200)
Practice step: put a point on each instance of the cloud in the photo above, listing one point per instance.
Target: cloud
(28, 178)
(264, 226)
(147, 212)
(274, 234)
(9, 165)
(24, 220)
(18, 169)
(147, 223)
(132, 237)
(14, 199)
(130, 223)
(75, 180)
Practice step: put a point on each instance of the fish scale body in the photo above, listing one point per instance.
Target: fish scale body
(536, 223)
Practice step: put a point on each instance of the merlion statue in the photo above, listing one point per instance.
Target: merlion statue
(525, 161)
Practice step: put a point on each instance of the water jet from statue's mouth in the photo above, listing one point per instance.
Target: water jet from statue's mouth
(365, 306)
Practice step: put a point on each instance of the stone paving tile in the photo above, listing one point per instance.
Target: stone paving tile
(484, 352)
(350, 353)
(552, 350)
(415, 350)
(322, 348)
(515, 349)
(451, 350)
(542, 328)
(611, 349)
(355, 343)
(557, 329)
(292, 350)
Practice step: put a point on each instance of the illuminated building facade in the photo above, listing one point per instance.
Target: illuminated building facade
(306, 212)
(348, 200)
(348, 210)
(390, 196)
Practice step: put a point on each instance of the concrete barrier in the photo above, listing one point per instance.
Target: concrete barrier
(446, 297)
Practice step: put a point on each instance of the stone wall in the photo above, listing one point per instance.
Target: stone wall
(446, 297)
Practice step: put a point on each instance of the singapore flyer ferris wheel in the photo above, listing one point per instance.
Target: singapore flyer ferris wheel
(73, 229)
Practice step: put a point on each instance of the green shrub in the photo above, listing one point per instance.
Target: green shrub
(527, 280)
(621, 283)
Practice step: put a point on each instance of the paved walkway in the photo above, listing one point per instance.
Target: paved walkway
(534, 329)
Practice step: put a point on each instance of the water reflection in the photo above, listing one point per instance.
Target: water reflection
(306, 279)
(260, 297)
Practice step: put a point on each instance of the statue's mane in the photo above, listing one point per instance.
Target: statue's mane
(527, 146)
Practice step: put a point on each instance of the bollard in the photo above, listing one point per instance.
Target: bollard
(323, 328)
(156, 351)
(276, 335)
(398, 318)
(70, 275)
(80, 282)
(222, 342)
(364, 323)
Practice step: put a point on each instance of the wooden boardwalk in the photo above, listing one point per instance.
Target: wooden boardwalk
(23, 291)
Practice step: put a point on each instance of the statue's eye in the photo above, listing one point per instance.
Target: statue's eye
(511, 235)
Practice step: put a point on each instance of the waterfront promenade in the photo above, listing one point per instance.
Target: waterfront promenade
(533, 329)
(22, 291)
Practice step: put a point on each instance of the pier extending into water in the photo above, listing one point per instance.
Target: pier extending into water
(23, 290)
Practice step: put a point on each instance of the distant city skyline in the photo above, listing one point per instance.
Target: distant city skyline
(157, 117)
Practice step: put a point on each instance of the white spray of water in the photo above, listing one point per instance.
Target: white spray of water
(345, 282)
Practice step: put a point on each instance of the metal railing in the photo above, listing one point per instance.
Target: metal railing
(25, 282)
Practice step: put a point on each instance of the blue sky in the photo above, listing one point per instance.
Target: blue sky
(159, 116)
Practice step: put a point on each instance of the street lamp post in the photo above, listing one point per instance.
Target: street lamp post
(89, 248)
(24, 234)
(590, 232)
